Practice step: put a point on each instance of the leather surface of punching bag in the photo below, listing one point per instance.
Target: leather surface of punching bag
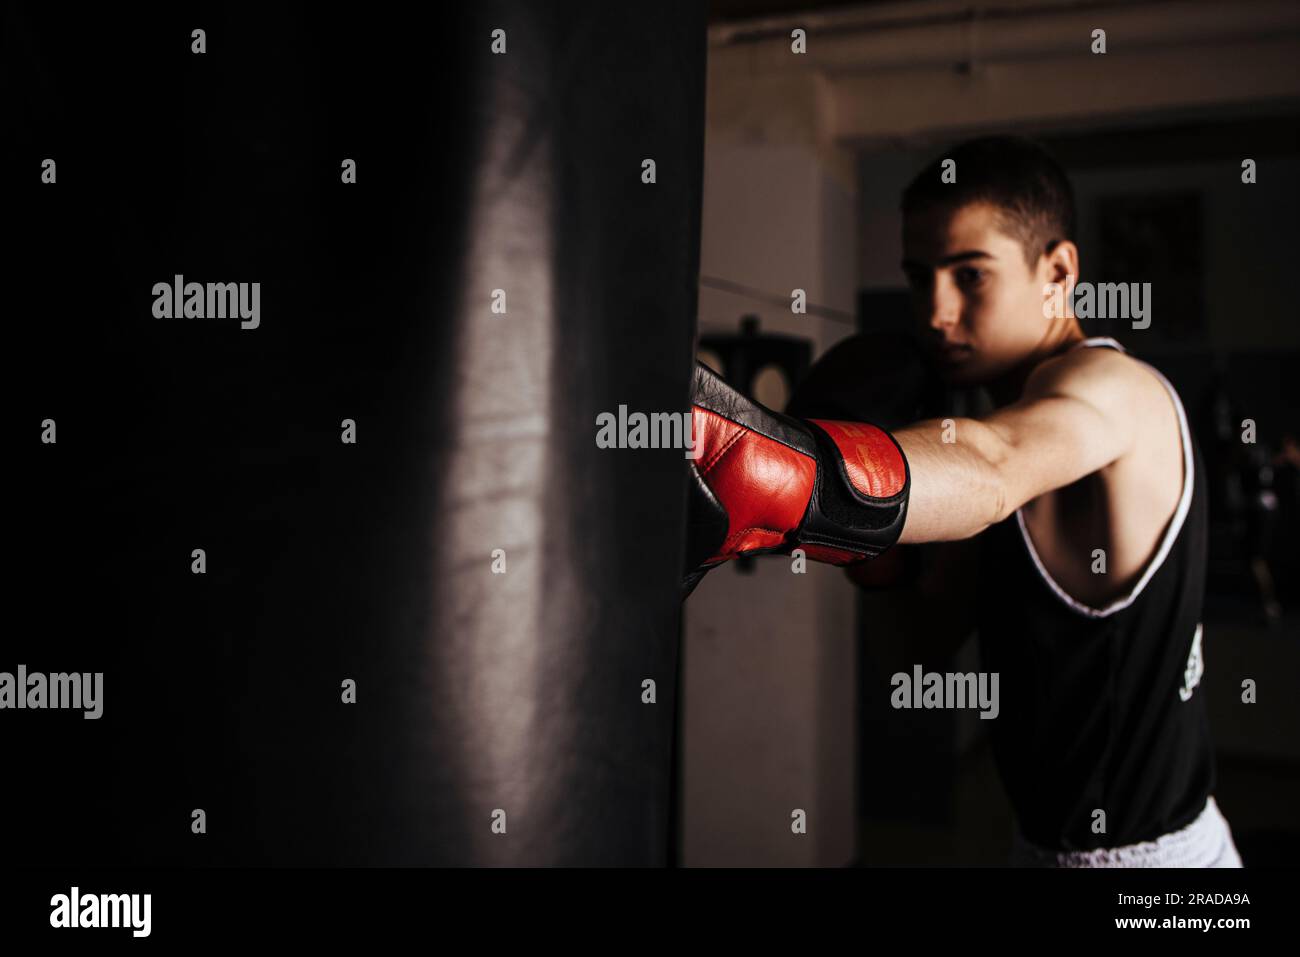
(430, 643)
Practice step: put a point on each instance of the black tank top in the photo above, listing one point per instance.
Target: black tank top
(1100, 707)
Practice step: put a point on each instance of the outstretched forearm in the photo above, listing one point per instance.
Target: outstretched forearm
(957, 484)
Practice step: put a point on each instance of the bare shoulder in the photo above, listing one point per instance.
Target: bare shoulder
(1107, 379)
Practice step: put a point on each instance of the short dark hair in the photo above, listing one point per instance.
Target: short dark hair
(1017, 176)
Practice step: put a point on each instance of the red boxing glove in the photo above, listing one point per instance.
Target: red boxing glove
(765, 482)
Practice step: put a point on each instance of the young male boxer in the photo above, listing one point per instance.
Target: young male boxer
(1082, 491)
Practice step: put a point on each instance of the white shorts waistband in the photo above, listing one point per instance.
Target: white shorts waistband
(1206, 842)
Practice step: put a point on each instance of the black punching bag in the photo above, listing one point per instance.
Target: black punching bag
(532, 710)
(452, 641)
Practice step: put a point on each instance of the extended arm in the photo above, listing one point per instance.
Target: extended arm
(845, 492)
(1074, 418)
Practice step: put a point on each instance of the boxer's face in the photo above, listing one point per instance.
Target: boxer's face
(979, 303)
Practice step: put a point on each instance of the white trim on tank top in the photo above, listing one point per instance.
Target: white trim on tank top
(1171, 533)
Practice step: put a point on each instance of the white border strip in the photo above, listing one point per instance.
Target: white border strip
(1171, 533)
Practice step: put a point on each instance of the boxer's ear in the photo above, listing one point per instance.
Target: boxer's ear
(1062, 265)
